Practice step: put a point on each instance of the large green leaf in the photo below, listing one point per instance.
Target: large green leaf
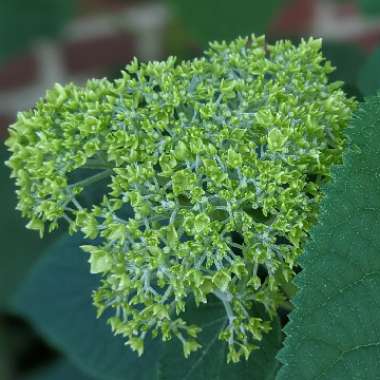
(22, 21)
(56, 298)
(334, 331)
(5, 359)
(19, 247)
(224, 20)
(369, 76)
(61, 370)
(210, 362)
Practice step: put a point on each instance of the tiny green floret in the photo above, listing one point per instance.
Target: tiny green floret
(214, 169)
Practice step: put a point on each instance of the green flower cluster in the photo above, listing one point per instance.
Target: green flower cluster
(213, 168)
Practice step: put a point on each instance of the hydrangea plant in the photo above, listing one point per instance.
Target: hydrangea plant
(213, 170)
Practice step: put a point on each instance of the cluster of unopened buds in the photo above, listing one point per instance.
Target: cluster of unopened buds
(195, 180)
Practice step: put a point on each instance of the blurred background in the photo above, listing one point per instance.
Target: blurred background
(48, 41)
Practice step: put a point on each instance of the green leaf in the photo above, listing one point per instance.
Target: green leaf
(210, 361)
(19, 247)
(61, 370)
(369, 76)
(5, 357)
(221, 20)
(56, 298)
(334, 331)
(23, 21)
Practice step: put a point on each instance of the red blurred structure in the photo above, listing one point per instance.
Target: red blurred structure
(105, 36)
(108, 33)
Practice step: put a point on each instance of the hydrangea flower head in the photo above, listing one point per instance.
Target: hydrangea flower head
(212, 170)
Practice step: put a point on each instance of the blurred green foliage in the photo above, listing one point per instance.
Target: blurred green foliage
(369, 76)
(222, 20)
(347, 59)
(370, 7)
(23, 21)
